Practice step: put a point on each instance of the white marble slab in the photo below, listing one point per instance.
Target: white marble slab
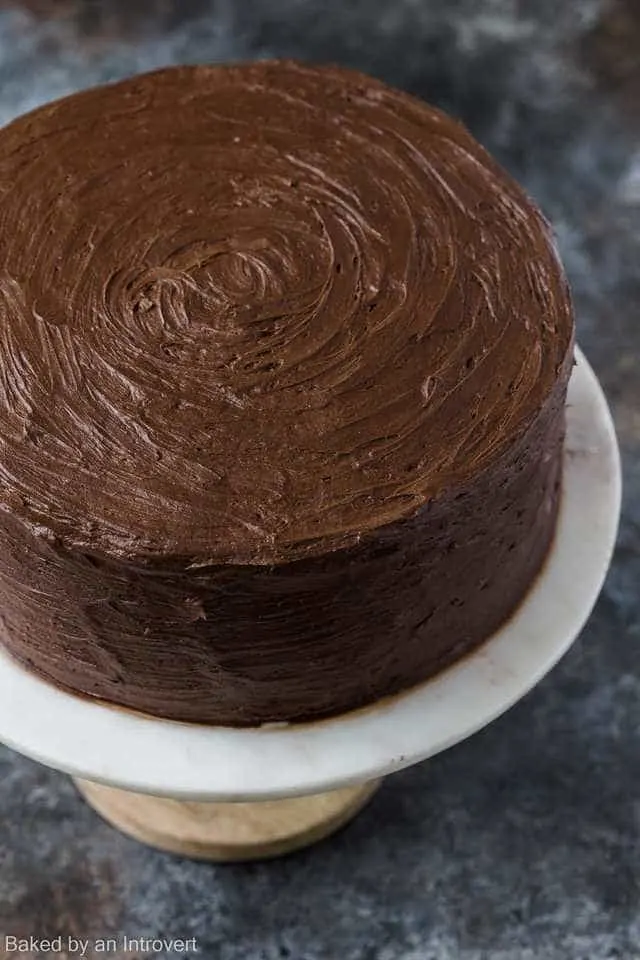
(114, 746)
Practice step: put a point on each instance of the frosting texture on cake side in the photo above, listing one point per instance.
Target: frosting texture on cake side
(283, 365)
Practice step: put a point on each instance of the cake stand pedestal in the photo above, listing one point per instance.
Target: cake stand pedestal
(227, 832)
(236, 794)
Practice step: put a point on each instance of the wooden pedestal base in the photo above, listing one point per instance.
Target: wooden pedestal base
(227, 832)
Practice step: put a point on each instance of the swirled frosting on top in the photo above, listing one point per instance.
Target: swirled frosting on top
(249, 313)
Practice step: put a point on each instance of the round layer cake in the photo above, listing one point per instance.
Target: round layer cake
(283, 366)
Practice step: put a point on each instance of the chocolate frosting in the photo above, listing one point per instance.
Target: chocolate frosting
(283, 359)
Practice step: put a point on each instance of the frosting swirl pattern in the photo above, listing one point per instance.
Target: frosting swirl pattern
(268, 305)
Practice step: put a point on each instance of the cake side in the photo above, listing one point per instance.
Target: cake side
(300, 641)
(281, 392)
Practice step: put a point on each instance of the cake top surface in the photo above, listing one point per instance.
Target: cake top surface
(251, 312)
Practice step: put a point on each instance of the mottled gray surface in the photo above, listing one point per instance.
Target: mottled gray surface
(524, 842)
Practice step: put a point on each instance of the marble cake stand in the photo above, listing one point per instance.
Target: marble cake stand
(225, 794)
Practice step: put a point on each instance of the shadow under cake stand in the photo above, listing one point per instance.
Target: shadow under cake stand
(234, 794)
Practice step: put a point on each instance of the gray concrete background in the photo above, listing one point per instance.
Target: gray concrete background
(522, 843)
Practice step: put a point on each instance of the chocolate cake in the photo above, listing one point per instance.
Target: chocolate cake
(283, 365)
